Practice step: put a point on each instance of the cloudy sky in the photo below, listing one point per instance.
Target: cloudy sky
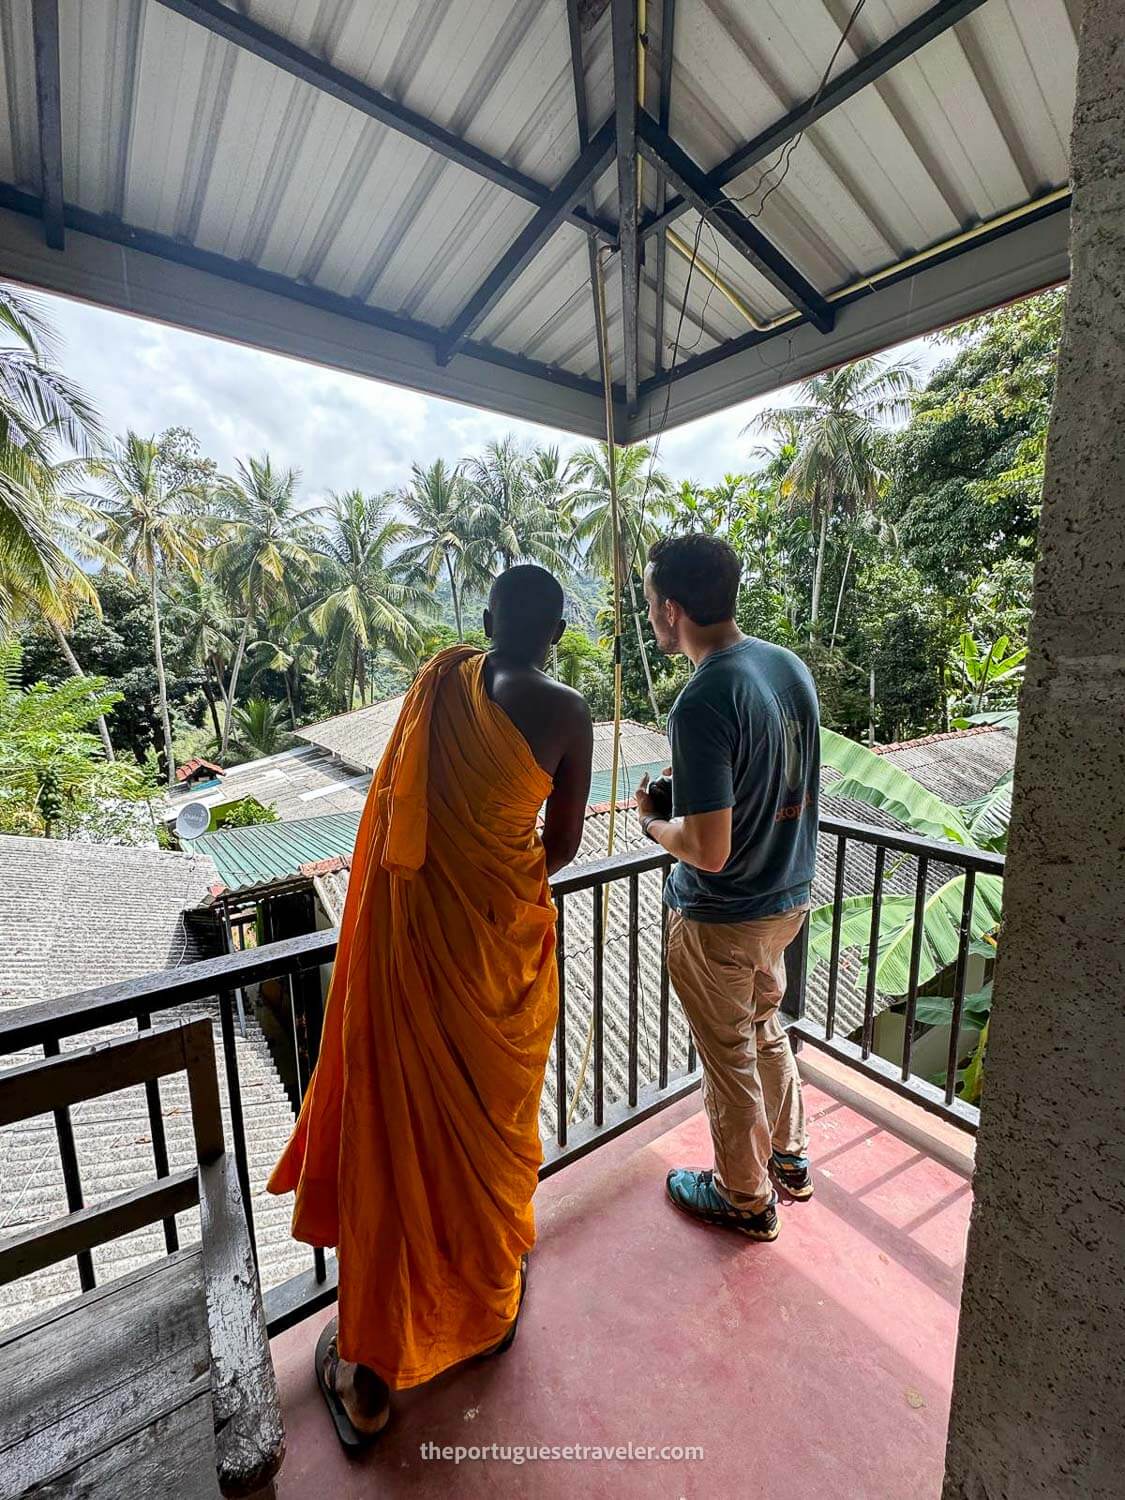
(341, 431)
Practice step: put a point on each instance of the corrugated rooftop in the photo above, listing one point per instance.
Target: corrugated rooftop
(266, 854)
(360, 737)
(76, 916)
(410, 189)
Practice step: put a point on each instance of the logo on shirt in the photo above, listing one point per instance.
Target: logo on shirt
(794, 759)
(792, 810)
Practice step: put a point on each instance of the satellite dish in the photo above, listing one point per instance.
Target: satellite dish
(193, 820)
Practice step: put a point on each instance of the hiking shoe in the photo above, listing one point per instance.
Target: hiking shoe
(695, 1193)
(792, 1174)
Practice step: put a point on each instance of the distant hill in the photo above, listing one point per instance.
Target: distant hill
(585, 595)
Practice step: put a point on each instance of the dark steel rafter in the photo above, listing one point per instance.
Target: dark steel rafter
(932, 23)
(239, 29)
(667, 52)
(753, 337)
(624, 20)
(575, 185)
(105, 227)
(693, 183)
(582, 117)
(45, 26)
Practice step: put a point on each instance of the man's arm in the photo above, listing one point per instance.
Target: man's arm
(699, 839)
(566, 806)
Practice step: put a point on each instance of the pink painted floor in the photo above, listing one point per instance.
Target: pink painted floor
(818, 1366)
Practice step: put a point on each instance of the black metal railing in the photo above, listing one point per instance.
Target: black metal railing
(297, 962)
(921, 864)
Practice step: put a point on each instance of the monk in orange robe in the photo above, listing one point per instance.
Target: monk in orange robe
(417, 1150)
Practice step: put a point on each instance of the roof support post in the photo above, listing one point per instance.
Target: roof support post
(45, 27)
(667, 49)
(691, 180)
(625, 93)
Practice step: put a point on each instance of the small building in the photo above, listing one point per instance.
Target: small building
(198, 773)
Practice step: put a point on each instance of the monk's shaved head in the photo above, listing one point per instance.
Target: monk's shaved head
(525, 611)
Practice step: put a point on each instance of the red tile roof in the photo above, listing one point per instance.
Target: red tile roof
(197, 763)
(935, 739)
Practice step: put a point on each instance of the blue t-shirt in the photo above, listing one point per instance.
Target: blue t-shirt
(745, 734)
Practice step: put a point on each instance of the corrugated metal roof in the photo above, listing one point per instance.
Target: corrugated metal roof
(266, 853)
(301, 783)
(240, 145)
(360, 737)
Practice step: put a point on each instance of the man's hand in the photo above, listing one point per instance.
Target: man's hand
(699, 839)
(643, 798)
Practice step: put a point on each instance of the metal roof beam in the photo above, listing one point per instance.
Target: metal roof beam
(701, 193)
(667, 52)
(1022, 252)
(45, 27)
(164, 247)
(625, 94)
(930, 24)
(239, 29)
(574, 186)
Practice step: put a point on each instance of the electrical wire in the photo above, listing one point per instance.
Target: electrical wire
(784, 160)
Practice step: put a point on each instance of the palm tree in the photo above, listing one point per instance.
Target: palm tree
(551, 477)
(143, 524)
(364, 597)
(437, 504)
(836, 430)
(509, 522)
(643, 501)
(39, 408)
(265, 555)
(259, 726)
(200, 616)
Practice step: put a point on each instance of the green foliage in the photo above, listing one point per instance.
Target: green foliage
(969, 468)
(114, 642)
(988, 817)
(259, 727)
(363, 597)
(865, 777)
(870, 778)
(245, 813)
(54, 778)
(977, 675)
(937, 1010)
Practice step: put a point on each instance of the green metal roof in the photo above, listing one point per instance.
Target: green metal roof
(266, 853)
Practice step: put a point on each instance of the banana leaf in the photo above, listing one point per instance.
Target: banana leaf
(870, 778)
(988, 816)
(941, 921)
(937, 1010)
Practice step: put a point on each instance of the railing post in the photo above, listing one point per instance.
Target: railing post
(796, 963)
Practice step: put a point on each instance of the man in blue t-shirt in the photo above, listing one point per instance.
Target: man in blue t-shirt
(745, 777)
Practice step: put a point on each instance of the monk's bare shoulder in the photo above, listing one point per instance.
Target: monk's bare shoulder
(566, 708)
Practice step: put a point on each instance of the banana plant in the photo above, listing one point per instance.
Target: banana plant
(874, 780)
(975, 673)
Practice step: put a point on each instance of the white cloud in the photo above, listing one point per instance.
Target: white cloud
(342, 431)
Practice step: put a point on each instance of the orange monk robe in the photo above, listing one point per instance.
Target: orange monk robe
(417, 1150)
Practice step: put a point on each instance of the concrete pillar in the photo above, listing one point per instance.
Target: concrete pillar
(1039, 1390)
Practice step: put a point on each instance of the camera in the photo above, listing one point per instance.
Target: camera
(660, 790)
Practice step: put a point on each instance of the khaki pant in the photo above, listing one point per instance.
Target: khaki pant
(730, 977)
